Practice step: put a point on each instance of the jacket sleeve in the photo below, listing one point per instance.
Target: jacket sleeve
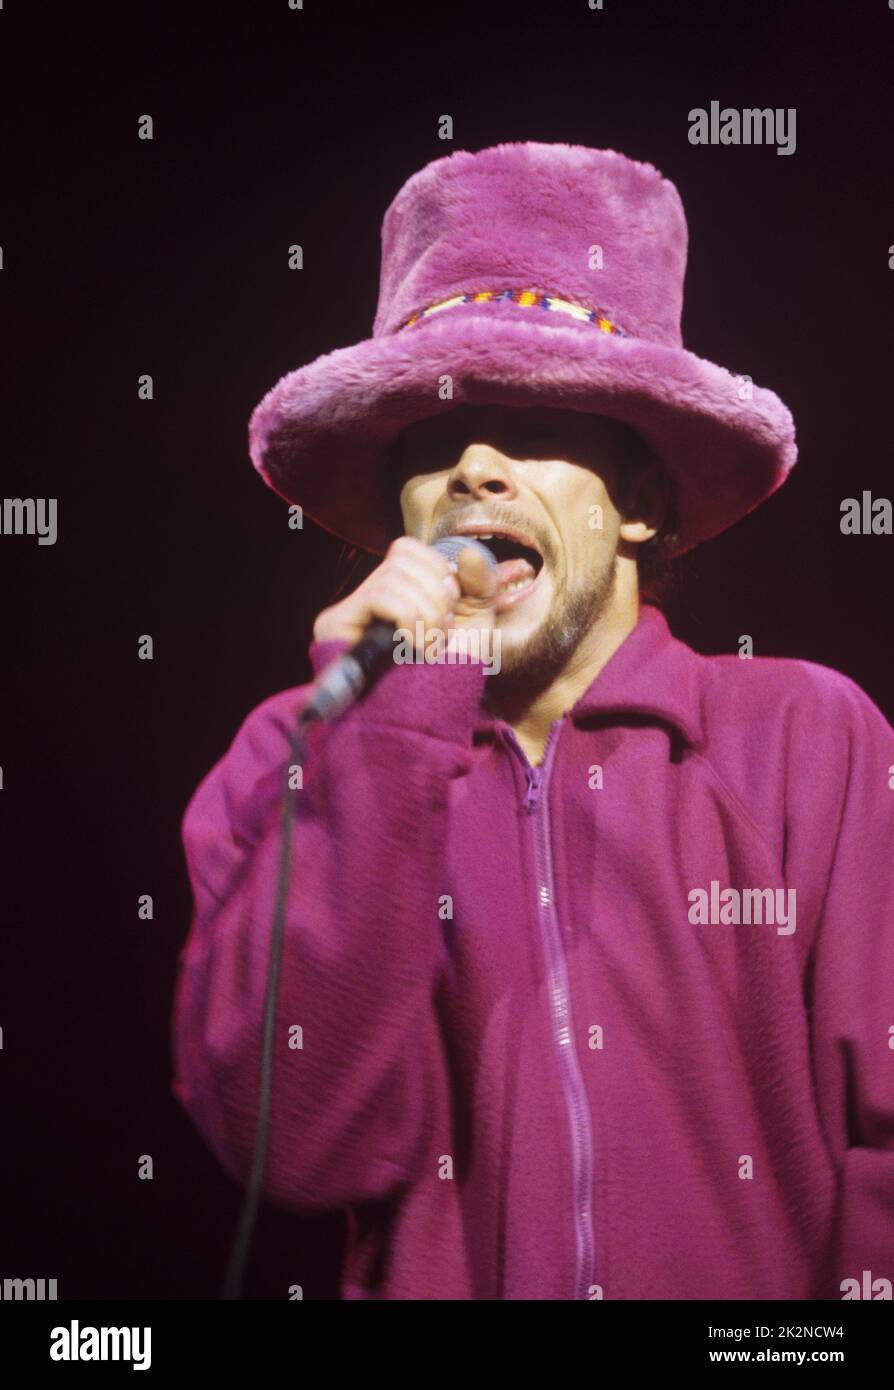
(852, 989)
(362, 943)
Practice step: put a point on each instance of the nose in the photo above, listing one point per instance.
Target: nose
(481, 472)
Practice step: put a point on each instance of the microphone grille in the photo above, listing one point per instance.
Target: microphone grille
(453, 546)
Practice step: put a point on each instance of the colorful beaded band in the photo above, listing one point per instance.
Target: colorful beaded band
(527, 298)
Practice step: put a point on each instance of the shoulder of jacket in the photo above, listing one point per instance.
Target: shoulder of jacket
(802, 694)
(781, 730)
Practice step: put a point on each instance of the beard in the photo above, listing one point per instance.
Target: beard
(530, 668)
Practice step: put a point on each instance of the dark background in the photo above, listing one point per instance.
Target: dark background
(122, 257)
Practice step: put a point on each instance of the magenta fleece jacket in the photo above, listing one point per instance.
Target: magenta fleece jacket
(617, 1026)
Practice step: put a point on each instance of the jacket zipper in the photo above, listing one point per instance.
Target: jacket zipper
(536, 803)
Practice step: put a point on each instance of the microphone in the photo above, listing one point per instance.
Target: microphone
(342, 683)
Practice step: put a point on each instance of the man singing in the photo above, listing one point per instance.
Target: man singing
(590, 961)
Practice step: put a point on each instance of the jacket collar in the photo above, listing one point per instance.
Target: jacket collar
(651, 674)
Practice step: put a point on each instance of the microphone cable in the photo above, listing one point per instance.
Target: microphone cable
(233, 1279)
(329, 697)
(331, 694)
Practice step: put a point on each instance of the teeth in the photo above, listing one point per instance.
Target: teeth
(490, 535)
(516, 584)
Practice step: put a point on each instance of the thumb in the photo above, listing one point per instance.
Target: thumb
(477, 580)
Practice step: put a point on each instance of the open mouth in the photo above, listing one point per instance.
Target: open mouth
(518, 566)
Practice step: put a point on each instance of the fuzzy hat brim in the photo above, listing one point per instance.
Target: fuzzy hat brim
(323, 436)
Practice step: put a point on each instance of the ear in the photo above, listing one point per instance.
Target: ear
(647, 504)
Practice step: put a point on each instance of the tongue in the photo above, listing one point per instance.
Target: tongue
(509, 570)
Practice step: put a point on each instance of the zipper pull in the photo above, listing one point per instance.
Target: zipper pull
(532, 795)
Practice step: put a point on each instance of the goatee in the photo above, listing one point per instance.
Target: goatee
(528, 670)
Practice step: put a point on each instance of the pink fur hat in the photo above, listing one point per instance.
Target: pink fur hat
(529, 274)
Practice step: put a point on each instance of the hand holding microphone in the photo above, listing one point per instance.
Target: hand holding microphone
(451, 584)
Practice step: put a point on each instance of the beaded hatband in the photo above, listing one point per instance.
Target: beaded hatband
(526, 298)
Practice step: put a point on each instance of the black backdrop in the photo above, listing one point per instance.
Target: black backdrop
(122, 257)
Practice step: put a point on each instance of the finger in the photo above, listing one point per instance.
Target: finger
(402, 602)
(441, 585)
(408, 549)
(477, 579)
